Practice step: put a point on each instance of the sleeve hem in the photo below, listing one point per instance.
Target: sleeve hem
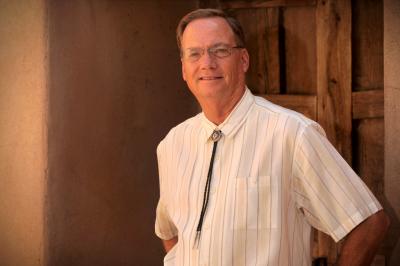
(165, 235)
(358, 217)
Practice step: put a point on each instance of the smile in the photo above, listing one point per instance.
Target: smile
(209, 78)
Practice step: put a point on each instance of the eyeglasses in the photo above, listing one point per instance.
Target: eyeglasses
(219, 51)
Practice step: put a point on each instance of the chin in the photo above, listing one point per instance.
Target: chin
(211, 92)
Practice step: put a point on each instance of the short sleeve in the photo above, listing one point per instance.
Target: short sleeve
(164, 227)
(329, 193)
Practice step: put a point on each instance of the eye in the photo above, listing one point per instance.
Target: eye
(193, 54)
(221, 51)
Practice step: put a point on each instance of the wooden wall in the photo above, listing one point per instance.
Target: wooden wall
(323, 58)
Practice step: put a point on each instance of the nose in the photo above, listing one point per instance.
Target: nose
(208, 61)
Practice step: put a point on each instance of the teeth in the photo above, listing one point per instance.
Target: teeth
(209, 78)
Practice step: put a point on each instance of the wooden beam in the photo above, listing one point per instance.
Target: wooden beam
(369, 153)
(367, 104)
(367, 43)
(333, 20)
(305, 104)
(299, 50)
(261, 27)
(254, 22)
(266, 3)
(333, 23)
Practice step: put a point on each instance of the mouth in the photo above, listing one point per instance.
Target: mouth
(210, 78)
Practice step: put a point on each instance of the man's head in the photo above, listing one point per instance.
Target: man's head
(214, 60)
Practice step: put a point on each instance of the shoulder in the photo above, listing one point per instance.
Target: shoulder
(285, 116)
(179, 131)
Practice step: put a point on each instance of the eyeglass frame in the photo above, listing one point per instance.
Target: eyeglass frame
(210, 51)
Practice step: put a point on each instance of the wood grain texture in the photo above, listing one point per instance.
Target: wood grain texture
(272, 51)
(367, 42)
(254, 23)
(368, 162)
(334, 72)
(333, 20)
(266, 3)
(368, 104)
(369, 153)
(300, 50)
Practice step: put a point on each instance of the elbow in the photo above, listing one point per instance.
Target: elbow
(385, 221)
(382, 222)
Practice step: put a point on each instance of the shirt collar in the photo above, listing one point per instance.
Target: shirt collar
(234, 120)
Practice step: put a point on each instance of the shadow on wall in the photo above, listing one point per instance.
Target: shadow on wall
(115, 91)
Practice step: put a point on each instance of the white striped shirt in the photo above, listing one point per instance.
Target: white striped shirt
(275, 175)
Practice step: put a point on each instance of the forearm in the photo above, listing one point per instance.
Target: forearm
(363, 242)
(169, 244)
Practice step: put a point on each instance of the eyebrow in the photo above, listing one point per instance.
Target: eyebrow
(214, 45)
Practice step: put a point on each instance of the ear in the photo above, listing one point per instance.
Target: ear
(245, 58)
(183, 70)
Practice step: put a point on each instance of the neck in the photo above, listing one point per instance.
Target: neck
(217, 111)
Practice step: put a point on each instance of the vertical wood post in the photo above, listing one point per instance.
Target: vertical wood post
(334, 72)
(272, 51)
(333, 20)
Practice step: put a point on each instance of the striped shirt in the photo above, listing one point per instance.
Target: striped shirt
(275, 176)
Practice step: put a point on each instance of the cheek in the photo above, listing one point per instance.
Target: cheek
(188, 72)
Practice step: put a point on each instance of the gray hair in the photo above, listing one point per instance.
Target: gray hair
(209, 13)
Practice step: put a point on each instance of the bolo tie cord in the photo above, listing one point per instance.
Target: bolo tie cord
(216, 136)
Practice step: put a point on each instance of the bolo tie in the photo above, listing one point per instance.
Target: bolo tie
(215, 136)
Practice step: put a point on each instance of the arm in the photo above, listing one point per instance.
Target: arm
(363, 242)
(169, 244)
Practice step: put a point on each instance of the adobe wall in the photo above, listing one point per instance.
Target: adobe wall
(392, 123)
(23, 110)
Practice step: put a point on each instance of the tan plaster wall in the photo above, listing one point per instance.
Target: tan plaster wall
(115, 91)
(392, 122)
(22, 131)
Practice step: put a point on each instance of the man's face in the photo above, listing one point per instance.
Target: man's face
(210, 77)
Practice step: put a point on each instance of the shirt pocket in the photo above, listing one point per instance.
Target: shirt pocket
(253, 202)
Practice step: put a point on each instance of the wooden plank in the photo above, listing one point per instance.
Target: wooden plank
(368, 104)
(333, 24)
(369, 159)
(305, 104)
(266, 3)
(254, 23)
(367, 38)
(369, 153)
(300, 50)
(334, 72)
(272, 51)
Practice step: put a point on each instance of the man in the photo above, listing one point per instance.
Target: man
(243, 182)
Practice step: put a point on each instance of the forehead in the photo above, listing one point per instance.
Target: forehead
(206, 32)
